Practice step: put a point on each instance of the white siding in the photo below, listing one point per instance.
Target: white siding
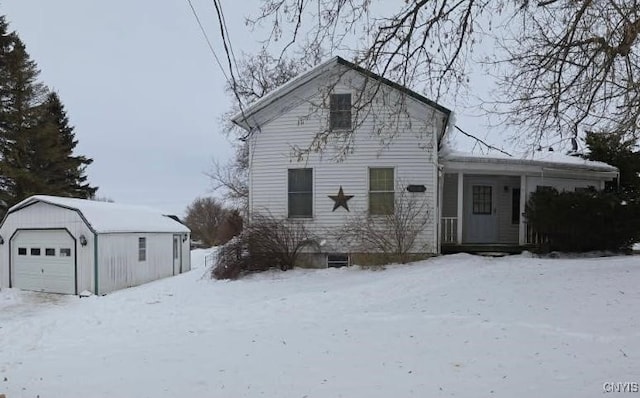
(412, 153)
(118, 262)
(42, 215)
(563, 184)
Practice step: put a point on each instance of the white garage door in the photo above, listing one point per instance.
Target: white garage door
(44, 261)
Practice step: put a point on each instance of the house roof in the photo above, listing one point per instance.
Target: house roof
(241, 118)
(105, 217)
(542, 159)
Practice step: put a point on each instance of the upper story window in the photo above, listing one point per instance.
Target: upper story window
(381, 191)
(340, 111)
(300, 192)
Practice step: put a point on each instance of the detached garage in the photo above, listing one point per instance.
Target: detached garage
(65, 245)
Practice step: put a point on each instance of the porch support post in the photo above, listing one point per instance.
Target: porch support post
(460, 209)
(523, 200)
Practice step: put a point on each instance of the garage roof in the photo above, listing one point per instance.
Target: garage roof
(104, 217)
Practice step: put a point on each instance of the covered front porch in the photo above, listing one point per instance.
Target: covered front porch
(482, 199)
(482, 212)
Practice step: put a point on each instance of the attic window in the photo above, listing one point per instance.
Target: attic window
(340, 111)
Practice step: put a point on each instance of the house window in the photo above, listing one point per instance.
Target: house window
(381, 191)
(142, 249)
(515, 206)
(22, 251)
(35, 251)
(482, 199)
(65, 252)
(340, 111)
(300, 193)
(49, 252)
(544, 188)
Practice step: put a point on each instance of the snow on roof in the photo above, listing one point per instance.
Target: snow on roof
(112, 217)
(537, 158)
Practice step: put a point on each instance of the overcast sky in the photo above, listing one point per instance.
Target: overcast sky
(139, 85)
(141, 88)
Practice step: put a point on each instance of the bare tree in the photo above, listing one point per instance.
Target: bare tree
(204, 218)
(396, 234)
(257, 76)
(565, 66)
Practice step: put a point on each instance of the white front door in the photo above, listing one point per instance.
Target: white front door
(44, 261)
(177, 254)
(481, 220)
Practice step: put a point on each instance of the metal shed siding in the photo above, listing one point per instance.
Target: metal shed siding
(412, 153)
(46, 216)
(118, 262)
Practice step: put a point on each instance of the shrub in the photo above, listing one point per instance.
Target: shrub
(266, 242)
(583, 221)
(393, 236)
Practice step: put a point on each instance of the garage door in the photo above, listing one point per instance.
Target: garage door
(44, 261)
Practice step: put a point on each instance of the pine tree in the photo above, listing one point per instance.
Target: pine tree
(615, 149)
(52, 148)
(36, 140)
(20, 93)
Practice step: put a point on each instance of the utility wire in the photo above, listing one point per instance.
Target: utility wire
(206, 37)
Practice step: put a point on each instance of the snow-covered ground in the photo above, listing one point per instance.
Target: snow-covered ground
(453, 326)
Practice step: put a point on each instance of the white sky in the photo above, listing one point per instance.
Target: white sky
(141, 88)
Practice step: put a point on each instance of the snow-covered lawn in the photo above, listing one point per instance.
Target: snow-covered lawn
(453, 326)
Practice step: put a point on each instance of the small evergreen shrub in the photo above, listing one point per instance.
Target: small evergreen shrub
(583, 221)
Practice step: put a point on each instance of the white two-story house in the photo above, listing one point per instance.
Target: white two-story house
(338, 142)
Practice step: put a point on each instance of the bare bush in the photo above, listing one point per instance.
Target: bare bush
(393, 235)
(266, 242)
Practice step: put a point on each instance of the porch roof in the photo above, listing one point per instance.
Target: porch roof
(537, 160)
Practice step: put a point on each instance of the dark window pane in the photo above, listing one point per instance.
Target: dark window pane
(515, 206)
(300, 193)
(35, 251)
(49, 252)
(65, 252)
(22, 251)
(300, 205)
(340, 111)
(482, 199)
(300, 180)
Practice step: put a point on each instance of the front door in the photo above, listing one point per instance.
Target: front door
(481, 221)
(177, 254)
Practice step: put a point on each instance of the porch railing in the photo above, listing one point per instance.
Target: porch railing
(534, 238)
(449, 229)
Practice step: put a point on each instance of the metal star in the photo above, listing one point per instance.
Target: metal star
(340, 199)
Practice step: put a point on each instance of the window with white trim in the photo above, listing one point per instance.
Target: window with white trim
(340, 111)
(300, 193)
(142, 249)
(381, 190)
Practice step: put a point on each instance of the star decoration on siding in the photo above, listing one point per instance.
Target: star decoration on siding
(340, 200)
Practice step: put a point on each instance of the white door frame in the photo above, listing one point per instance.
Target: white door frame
(75, 253)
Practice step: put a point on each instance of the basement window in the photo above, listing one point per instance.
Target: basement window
(337, 260)
(142, 249)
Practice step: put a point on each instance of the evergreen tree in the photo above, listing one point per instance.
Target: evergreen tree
(36, 140)
(20, 93)
(52, 148)
(616, 150)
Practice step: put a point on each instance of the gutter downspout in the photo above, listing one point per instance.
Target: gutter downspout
(95, 263)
